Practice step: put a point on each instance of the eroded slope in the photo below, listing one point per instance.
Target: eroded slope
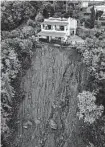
(47, 115)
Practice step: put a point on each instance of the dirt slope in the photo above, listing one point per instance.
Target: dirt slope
(47, 115)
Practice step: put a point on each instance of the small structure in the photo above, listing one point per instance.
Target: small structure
(100, 8)
(102, 21)
(84, 4)
(58, 29)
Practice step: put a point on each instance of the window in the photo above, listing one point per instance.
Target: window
(49, 27)
(62, 28)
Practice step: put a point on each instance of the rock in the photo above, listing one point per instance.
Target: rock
(37, 121)
(25, 127)
(52, 124)
(28, 123)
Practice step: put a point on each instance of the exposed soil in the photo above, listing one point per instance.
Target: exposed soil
(47, 115)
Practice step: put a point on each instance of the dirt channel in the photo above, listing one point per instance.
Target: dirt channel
(47, 115)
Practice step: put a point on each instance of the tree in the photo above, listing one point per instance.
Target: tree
(48, 10)
(98, 14)
(89, 103)
(92, 18)
(39, 17)
(88, 110)
(14, 13)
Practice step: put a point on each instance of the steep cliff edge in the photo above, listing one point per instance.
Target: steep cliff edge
(47, 115)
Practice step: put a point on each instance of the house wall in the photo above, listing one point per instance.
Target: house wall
(72, 26)
(55, 28)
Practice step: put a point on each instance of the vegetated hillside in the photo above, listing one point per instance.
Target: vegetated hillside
(56, 85)
(47, 115)
(17, 46)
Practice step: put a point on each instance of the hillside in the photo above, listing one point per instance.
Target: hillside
(47, 115)
(51, 96)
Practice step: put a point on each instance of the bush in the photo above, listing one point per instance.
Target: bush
(85, 33)
(48, 10)
(10, 67)
(58, 14)
(14, 34)
(39, 17)
(32, 23)
(13, 13)
(28, 31)
(88, 110)
(98, 24)
(88, 23)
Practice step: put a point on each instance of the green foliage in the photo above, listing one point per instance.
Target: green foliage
(98, 14)
(85, 33)
(28, 31)
(48, 10)
(39, 17)
(98, 24)
(4, 120)
(88, 110)
(57, 14)
(14, 13)
(9, 60)
(17, 46)
(92, 18)
(59, 6)
(93, 55)
(90, 22)
(10, 67)
(32, 23)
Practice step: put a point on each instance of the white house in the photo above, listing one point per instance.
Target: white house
(58, 28)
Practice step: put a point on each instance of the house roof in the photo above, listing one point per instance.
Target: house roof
(52, 33)
(58, 18)
(55, 22)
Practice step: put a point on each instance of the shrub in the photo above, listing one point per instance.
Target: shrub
(88, 110)
(10, 67)
(28, 31)
(13, 13)
(48, 10)
(14, 34)
(39, 17)
(32, 23)
(58, 14)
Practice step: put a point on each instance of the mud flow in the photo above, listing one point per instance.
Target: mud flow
(47, 115)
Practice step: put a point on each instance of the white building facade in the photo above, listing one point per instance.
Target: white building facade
(58, 28)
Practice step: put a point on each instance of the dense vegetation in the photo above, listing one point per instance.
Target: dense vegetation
(92, 101)
(17, 47)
